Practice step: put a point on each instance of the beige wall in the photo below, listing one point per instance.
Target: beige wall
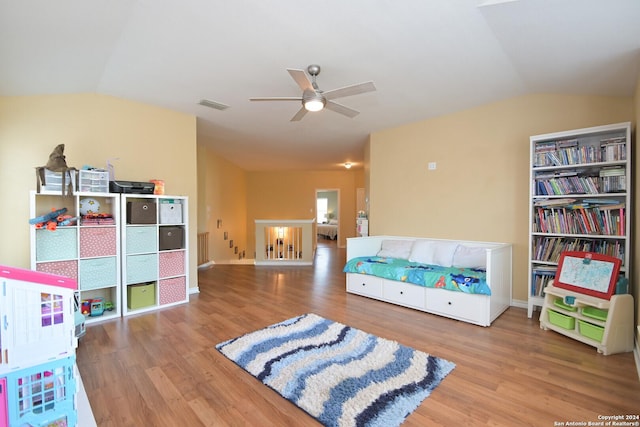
(150, 142)
(222, 189)
(292, 195)
(479, 190)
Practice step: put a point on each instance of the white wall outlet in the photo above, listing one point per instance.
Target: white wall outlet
(432, 166)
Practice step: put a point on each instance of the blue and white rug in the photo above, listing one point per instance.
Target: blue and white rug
(339, 375)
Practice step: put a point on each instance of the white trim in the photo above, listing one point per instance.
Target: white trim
(518, 303)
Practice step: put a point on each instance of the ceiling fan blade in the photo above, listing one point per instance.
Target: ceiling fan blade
(278, 98)
(350, 90)
(301, 79)
(299, 115)
(339, 108)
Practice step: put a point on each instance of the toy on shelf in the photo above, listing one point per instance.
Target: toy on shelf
(97, 307)
(54, 219)
(47, 217)
(85, 307)
(57, 163)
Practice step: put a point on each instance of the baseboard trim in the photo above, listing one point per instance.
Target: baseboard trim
(518, 303)
(194, 290)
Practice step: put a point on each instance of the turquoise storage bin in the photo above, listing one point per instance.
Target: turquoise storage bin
(97, 273)
(61, 244)
(141, 240)
(142, 268)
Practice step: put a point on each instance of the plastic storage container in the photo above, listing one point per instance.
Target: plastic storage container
(94, 181)
(558, 302)
(559, 319)
(590, 330)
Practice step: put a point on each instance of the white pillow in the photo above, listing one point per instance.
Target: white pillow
(433, 252)
(333, 221)
(395, 249)
(470, 257)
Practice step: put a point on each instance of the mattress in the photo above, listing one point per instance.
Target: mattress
(468, 280)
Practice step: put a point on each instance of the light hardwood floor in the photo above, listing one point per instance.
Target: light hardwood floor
(161, 369)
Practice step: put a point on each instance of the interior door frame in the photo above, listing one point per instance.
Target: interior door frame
(339, 208)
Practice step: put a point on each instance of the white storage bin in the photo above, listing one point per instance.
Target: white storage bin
(53, 181)
(94, 181)
(170, 213)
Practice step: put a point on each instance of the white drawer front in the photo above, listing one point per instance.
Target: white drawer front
(404, 294)
(364, 285)
(458, 305)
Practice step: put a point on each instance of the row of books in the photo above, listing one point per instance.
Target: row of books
(569, 152)
(579, 203)
(540, 279)
(548, 249)
(559, 186)
(576, 219)
(568, 185)
(613, 149)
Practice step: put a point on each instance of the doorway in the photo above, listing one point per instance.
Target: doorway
(328, 214)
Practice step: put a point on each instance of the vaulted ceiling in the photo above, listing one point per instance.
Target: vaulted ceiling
(425, 57)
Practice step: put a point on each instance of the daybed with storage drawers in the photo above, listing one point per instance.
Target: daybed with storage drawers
(464, 280)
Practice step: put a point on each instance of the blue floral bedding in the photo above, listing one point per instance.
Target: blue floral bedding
(468, 280)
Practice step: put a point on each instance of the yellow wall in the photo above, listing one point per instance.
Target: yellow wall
(222, 189)
(480, 189)
(150, 142)
(292, 195)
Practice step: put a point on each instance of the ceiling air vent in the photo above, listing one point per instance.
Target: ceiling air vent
(213, 104)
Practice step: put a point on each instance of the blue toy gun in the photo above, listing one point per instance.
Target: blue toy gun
(48, 217)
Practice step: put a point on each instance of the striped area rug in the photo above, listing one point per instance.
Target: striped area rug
(339, 375)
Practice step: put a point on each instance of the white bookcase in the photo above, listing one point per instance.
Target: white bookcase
(580, 199)
(155, 258)
(87, 249)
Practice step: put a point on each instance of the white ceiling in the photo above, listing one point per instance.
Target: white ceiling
(426, 57)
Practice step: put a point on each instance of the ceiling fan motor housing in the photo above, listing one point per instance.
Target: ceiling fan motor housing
(311, 96)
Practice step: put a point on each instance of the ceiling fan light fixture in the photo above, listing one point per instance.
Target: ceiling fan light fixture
(313, 101)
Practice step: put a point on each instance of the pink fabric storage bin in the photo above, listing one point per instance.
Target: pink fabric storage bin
(172, 263)
(173, 290)
(97, 242)
(4, 397)
(60, 268)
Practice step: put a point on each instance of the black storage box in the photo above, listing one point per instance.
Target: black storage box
(171, 237)
(130, 187)
(141, 212)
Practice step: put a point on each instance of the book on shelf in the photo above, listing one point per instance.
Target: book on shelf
(580, 219)
(541, 278)
(548, 249)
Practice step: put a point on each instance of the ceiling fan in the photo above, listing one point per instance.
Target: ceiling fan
(314, 99)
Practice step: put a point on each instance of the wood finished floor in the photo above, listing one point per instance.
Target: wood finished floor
(161, 369)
